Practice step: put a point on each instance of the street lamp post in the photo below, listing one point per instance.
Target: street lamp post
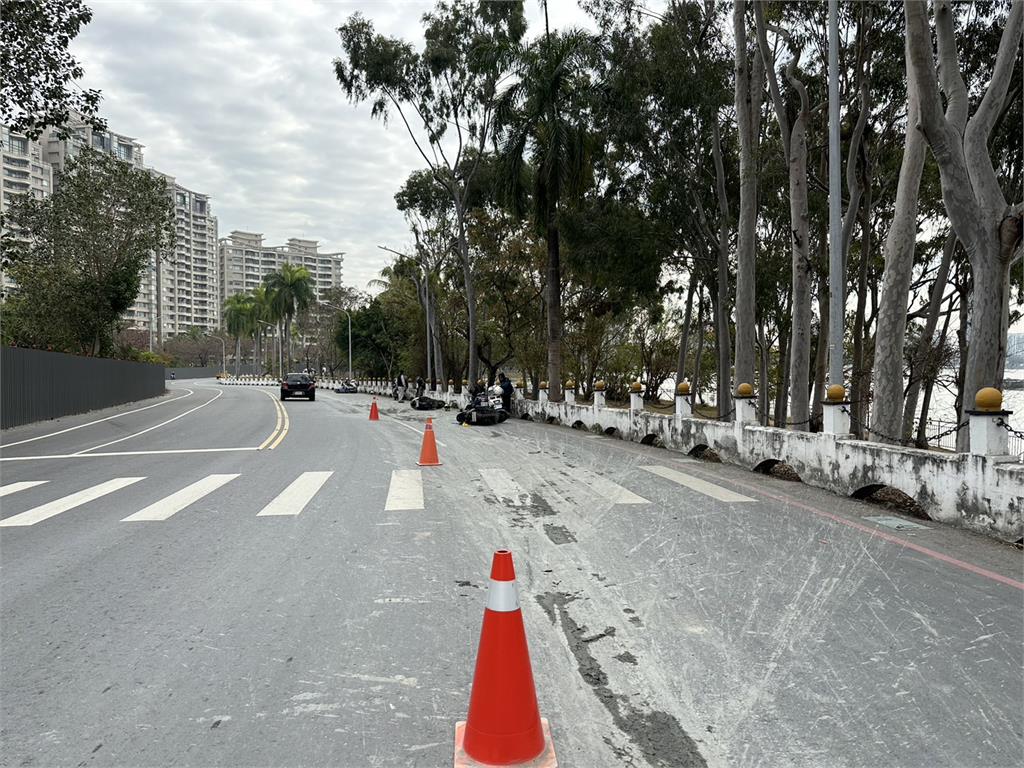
(276, 337)
(223, 353)
(339, 309)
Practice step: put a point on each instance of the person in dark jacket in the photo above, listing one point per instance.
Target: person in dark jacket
(506, 392)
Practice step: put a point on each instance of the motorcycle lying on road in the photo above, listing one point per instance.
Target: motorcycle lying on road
(484, 410)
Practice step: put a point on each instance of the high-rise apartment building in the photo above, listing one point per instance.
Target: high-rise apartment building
(244, 261)
(180, 290)
(58, 151)
(25, 169)
(25, 172)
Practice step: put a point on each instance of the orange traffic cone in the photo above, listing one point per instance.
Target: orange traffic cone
(504, 726)
(428, 451)
(374, 414)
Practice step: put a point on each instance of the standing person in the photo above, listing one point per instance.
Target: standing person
(421, 386)
(403, 385)
(506, 392)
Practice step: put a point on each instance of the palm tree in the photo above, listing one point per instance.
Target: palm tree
(291, 291)
(538, 117)
(238, 321)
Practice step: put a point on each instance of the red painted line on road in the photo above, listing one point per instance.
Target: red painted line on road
(970, 567)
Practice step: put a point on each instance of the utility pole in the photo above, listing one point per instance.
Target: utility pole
(836, 273)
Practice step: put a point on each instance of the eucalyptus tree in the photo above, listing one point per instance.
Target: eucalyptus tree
(666, 92)
(291, 291)
(794, 145)
(749, 88)
(989, 227)
(444, 96)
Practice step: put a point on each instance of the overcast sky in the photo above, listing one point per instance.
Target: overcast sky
(238, 99)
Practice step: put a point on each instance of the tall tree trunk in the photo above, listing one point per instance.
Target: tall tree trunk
(801, 266)
(782, 393)
(554, 303)
(821, 351)
(762, 391)
(898, 252)
(435, 333)
(748, 92)
(238, 353)
(684, 336)
(698, 361)
(926, 344)
(971, 191)
(861, 375)
(467, 276)
(721, 304)
(921, 440)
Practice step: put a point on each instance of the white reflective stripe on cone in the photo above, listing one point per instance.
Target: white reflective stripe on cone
(503, 596)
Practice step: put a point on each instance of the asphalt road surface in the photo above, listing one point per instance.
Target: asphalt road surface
(172, 594)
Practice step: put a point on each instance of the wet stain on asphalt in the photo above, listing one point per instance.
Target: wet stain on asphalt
(626, 658)
(539, 506)
(559, 534)
(658, 735)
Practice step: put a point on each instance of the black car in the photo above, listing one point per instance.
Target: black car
(298, 385)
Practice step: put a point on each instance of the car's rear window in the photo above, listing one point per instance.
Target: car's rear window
(298, 378)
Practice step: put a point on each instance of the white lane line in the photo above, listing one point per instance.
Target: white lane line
(407, 426)
(406, 490)
(97, 421)
(293, 499)
(150, 429)
(696, 484)
(46, 511)
(504, 487)
(614, 492)
(128, 453)
(23, 485)
(190, 494)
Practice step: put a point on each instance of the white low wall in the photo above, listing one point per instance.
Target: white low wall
(983, 493)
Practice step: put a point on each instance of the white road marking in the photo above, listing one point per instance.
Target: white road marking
(614, 492)
(696, 484)
(46, 511)
(190, 494)
(97, 421)
(127, 453)
(293, 499)
(15, 487)
(155, 426)
(406, 490)
(407, 426)
(504, 487)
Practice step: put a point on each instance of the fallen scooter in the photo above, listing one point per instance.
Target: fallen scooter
(424, 403)
(484, 410)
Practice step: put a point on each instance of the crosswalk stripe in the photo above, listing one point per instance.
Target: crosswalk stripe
(38, 514)
(190, 494)
(23, 485)
(696, 484)
(293, 499)
(406, 490)
(614, 492)
(504, 487)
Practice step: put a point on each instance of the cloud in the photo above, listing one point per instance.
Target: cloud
(238, 100)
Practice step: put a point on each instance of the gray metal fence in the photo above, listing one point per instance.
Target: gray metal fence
(36, 385)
